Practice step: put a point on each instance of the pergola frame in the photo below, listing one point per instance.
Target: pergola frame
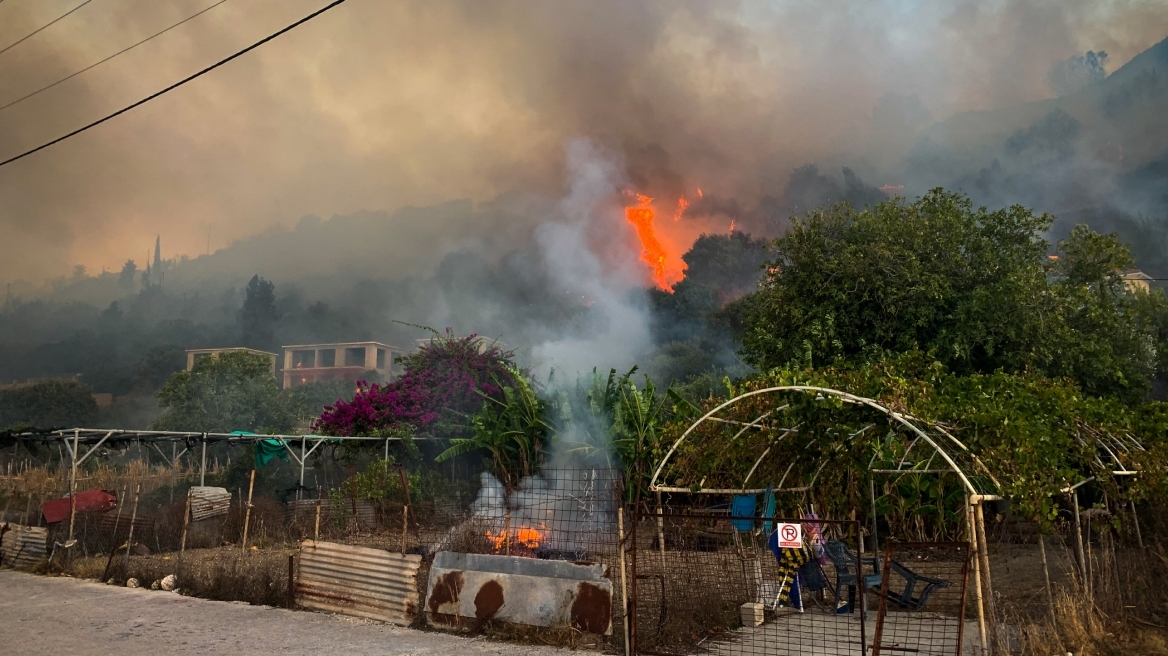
(1111, 450)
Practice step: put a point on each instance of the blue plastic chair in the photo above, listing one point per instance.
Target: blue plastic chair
(846, 563)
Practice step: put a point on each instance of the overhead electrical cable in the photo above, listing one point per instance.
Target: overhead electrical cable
(176, 85)
(37, 31)
(123, 50)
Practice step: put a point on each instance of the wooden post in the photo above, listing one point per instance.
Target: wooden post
(117, 524)
(130, 538)
(507, 530)
(182, 547)
(316, 530)
(1079, 540)
(73, 483)
(405, 527)
(203, 465)
(620, 525)
(173, 457)
(1046, 573)
(291, 581)
(1136, 523)
(984, 555)
(247, 513)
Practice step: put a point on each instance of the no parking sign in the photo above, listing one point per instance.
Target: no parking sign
(790, 536)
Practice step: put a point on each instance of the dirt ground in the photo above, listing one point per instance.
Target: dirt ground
(42, 615)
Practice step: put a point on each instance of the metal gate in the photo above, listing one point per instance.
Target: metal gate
(921, 607)
(712, 584)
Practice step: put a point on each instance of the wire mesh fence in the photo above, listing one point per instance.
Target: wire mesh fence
(718, 584)
(922, 605)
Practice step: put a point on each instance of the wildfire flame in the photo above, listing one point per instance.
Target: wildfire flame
(682, 203)
(652, 252)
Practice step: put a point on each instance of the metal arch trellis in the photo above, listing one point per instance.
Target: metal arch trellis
(907, 421)
(973, 495)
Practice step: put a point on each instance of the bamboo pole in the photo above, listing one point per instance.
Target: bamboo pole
(130, 538)
(984, 552)
(247, 513)
(973, 544)
(182, 547)
(117, 523)
(661, 533)
(620, 524)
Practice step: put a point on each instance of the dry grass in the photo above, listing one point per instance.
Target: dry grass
(1125, 611)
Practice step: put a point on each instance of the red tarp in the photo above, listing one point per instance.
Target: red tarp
(57, 510)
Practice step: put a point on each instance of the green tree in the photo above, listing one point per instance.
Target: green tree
(964, 284)
(232, 391)
(1103, 339)
(258, 315)
(47, 404)
(972, 288)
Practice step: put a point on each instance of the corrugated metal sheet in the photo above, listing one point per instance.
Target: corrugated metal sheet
(553, 593)
(358, 581)
(208, 502)
(22, 546)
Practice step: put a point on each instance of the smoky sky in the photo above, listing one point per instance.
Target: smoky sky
(381, 105)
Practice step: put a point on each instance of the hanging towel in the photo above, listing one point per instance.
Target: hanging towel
(743, 505)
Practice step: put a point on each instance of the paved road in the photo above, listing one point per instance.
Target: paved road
(40, 615)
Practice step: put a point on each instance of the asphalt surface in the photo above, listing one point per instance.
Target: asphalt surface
(41, 615)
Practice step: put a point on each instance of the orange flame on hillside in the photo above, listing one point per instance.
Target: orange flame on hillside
(652, 252)
(682, 203)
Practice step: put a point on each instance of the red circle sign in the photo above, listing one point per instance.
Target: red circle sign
(789, 533)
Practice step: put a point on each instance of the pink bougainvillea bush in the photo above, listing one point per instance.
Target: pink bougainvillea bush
(442, 380)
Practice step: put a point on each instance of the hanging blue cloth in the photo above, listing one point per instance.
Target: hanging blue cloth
(743, 505)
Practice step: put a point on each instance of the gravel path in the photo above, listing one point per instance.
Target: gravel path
(40, 615)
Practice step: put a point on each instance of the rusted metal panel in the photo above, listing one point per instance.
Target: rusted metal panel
(551, 593)
(358, 581)
(95, 501)
(208, 502)
(22, 546)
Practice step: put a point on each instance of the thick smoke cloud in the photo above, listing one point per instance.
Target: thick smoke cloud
(383, 105)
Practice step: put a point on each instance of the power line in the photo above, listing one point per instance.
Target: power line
(124, 50)
(35, 32)
(176, 85)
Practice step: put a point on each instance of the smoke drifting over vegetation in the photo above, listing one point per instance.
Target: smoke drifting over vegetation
(476, 160)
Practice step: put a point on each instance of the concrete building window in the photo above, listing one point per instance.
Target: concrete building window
(355, 357)
(328, 357)
(380, 358)
(303, 359)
